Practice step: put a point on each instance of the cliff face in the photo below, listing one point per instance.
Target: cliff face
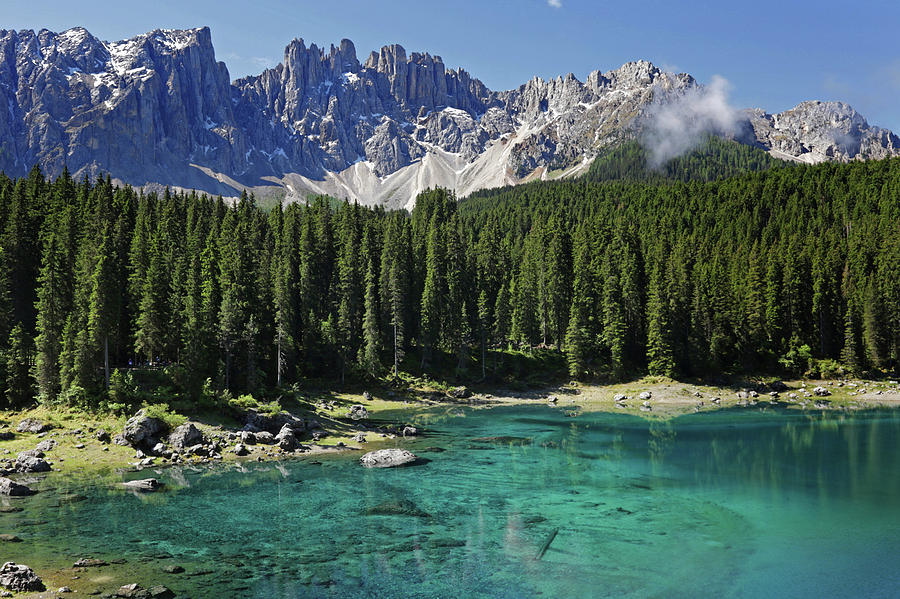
(159, 109)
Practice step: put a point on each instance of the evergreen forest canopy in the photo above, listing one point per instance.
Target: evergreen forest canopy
(794, 268)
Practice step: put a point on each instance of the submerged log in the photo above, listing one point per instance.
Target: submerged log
(547, 543)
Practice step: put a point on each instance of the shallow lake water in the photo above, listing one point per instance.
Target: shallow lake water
(725, 504)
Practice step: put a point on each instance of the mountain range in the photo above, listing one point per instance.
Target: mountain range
(160, 110)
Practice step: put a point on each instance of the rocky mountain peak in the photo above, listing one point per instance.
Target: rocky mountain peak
(160, 109)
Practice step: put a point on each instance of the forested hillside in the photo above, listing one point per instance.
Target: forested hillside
(791, 268)
(715, 158)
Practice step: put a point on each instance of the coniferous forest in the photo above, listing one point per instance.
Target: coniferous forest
(790, 269)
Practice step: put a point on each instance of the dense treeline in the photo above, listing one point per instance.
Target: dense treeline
(793, 268)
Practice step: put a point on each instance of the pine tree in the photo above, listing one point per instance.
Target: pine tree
(660, 353)
(371, 330)
(19, 386)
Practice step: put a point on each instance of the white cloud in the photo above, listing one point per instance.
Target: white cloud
(677, 125)
(554, 3)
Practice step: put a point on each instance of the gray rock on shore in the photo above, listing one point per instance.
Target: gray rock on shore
(240, 449)
(358, 412)
(31, 425)
(460, 393)
(19, 578)
(141, 429)
(286, 438)
(185, 436)
(388, 458)
(265, 438)
(28, 464)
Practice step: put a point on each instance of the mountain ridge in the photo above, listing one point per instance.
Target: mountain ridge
(159, 109)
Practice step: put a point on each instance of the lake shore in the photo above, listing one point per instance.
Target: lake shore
(77, 451)
(108, 464)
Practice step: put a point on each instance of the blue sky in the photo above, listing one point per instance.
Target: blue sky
(774, 54)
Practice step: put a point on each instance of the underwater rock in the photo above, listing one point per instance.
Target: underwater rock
(173, 569)
(133, 590)
(13, 489)
(144, 485)
(89, 562)
(504, 440)
(399, 507)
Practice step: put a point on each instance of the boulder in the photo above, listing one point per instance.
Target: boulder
(185, 435)
(198, 450)
(552, 399)
(102, 436)
(7, 435)
(8, 538)
(141, 429)
(778, 386)
(240, 449)
(409, 431)
(19, 577)
(286, 438)
(144, 485)
(461, 392)
(248, 438)
(46, 445)
(27, 464)
(31, 425)
(388, 458)
(645, 396)
(160, 449)
(11, 488)
(265, 438)
(619, 398)
(821, 392)
(360, 437)
(358, 412)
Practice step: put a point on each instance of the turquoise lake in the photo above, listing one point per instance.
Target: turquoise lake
(720, 504)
